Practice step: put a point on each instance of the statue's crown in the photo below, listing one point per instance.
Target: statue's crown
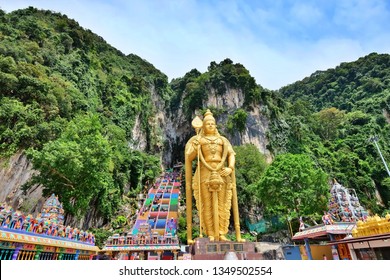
(208, 116)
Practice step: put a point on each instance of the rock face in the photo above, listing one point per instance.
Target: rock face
(178, 129)
(13, 174)
(270, 251)
(150, 138)
(254, 133)
(17, 171)
(139, 138)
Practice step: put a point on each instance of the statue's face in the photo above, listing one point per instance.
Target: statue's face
(209, 127)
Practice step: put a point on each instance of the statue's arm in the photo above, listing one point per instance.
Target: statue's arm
(231, 158)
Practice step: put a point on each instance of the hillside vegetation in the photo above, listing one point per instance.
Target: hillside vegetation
(332, 115)
(71, 101)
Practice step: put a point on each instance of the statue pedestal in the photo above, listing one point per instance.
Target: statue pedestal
(204, 249)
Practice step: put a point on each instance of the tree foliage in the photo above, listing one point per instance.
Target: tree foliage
(250, 165)
(78, 167)
(237, 121)
(329, 121)
(293, 186)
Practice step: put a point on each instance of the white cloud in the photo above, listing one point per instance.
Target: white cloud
(362, 16)
(305, 14)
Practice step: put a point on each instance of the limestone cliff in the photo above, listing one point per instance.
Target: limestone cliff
(13, 174)
(178, 128)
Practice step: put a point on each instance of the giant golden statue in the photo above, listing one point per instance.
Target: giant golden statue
(213, 184)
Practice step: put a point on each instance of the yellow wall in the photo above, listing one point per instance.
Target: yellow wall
(317, 252)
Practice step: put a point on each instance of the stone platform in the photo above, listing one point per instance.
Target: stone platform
(204, 249)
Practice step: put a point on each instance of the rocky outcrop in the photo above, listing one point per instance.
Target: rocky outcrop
(15, 172)
(254, 133)
(232, 99)
(270, 251)
(386, 114)
(178, 128)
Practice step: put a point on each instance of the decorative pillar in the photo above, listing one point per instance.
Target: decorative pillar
(9, 254)
(159, 254)
(16, 251)
(60, 252)
(37, 254)
(335, 253)
(308, 250)
(21, 255)
(76, 257)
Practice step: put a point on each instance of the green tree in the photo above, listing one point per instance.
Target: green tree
(250, 165)
(72, 101)
(78, 167)
(101, 235)
(18, 125)
(237, 121)
(293, 186)
(329, 121)
(386, 192)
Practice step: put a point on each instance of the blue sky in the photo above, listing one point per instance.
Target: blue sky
(279, 42)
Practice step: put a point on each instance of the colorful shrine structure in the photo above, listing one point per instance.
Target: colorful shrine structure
(344, 205)
(370, 239)
(44, 237)
(344, 210)
(154, 234)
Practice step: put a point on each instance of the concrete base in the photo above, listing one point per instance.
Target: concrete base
(204, 249)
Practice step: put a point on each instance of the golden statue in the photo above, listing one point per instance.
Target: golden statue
(213, 184)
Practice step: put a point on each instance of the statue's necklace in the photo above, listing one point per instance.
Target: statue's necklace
(224, 154)
(212, 143)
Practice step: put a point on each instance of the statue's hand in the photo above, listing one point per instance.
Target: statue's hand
(226, 171)
(195, 142)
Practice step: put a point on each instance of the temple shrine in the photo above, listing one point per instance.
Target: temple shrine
(344, 205)
(344, 210)
(44, 237)
(370, 239)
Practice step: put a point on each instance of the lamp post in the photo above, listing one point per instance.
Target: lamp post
(375, 139)
(290, 227)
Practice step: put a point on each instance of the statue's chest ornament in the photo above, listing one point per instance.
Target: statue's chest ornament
(212, 145)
